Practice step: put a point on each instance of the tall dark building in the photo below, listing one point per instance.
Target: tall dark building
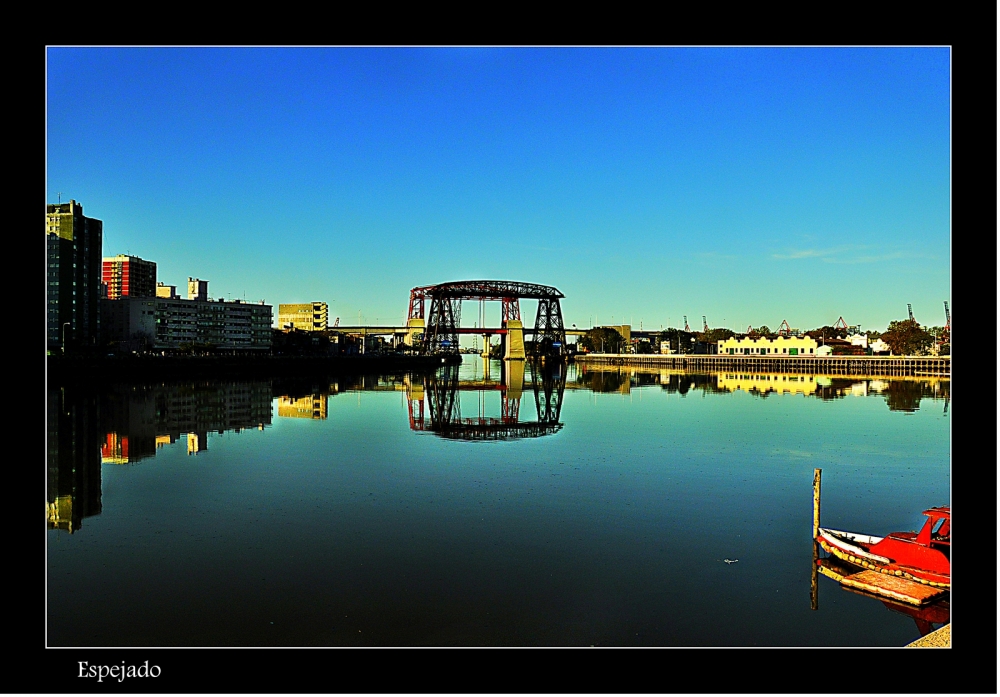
(74, 276)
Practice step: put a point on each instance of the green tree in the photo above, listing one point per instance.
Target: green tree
(679, 340)
(714, 335)
(827, 332)
(602, 340)
(907, 338)
(763, 331)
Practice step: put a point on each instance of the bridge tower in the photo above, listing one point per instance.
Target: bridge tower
(441, 335)
(550, 333)
(513, 340)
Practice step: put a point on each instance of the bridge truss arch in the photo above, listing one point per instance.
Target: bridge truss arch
(444, 317)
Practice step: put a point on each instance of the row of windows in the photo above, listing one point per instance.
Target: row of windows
(764, 351)
(768, 378)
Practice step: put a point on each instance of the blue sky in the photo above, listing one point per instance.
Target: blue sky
(750, 185)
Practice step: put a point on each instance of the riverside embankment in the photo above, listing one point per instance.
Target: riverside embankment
(918, 366)
(62, 369)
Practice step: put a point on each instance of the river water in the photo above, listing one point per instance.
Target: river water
(482, 507)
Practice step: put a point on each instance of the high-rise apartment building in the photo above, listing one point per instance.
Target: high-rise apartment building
(128, 276)
(73, 244)
(308, 317)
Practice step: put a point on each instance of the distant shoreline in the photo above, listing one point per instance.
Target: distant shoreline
(866, 366)
(71, 369)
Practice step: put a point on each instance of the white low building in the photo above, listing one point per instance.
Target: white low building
(879, 346)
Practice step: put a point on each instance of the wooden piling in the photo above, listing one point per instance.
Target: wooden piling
(817, 475)
(814, 587)
(814, 584)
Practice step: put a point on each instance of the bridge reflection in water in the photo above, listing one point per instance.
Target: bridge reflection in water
(434, 402)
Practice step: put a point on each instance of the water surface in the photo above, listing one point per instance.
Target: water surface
(481, 507)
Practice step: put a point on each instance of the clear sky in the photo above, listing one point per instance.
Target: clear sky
(750, 185)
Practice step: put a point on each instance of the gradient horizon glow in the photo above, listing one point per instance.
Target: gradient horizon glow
(750, 185)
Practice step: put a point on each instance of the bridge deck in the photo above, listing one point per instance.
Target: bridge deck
(478, 331)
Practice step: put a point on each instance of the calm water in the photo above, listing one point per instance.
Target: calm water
(585, 508)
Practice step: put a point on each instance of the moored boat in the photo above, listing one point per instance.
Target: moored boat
(924, 556)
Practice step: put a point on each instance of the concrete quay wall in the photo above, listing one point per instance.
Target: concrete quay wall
(930, 366)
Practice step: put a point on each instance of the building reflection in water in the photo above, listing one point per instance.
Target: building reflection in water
(74, 458)
(312, 406)
(900, 393)
(124, 424)
(138, 419)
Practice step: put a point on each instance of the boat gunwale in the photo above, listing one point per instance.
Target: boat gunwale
(833, 537)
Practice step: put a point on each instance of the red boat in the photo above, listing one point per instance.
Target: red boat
(924, 557)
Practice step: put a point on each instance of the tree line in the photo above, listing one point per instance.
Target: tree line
(904, 338)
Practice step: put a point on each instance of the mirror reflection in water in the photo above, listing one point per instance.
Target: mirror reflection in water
(491, 503)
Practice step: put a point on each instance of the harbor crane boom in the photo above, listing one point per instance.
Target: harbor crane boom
(947, 316)
(704, 321)
(686, 327)
(909, 308)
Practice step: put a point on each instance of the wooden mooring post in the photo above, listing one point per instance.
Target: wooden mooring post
(814, 587)
(817, 476)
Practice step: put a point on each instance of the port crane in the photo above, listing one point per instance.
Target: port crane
(704, 321)
(840, 324)
(784, 329)
(909, 309)
(686, 327)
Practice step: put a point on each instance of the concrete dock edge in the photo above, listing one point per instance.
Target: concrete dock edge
(939, 638)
